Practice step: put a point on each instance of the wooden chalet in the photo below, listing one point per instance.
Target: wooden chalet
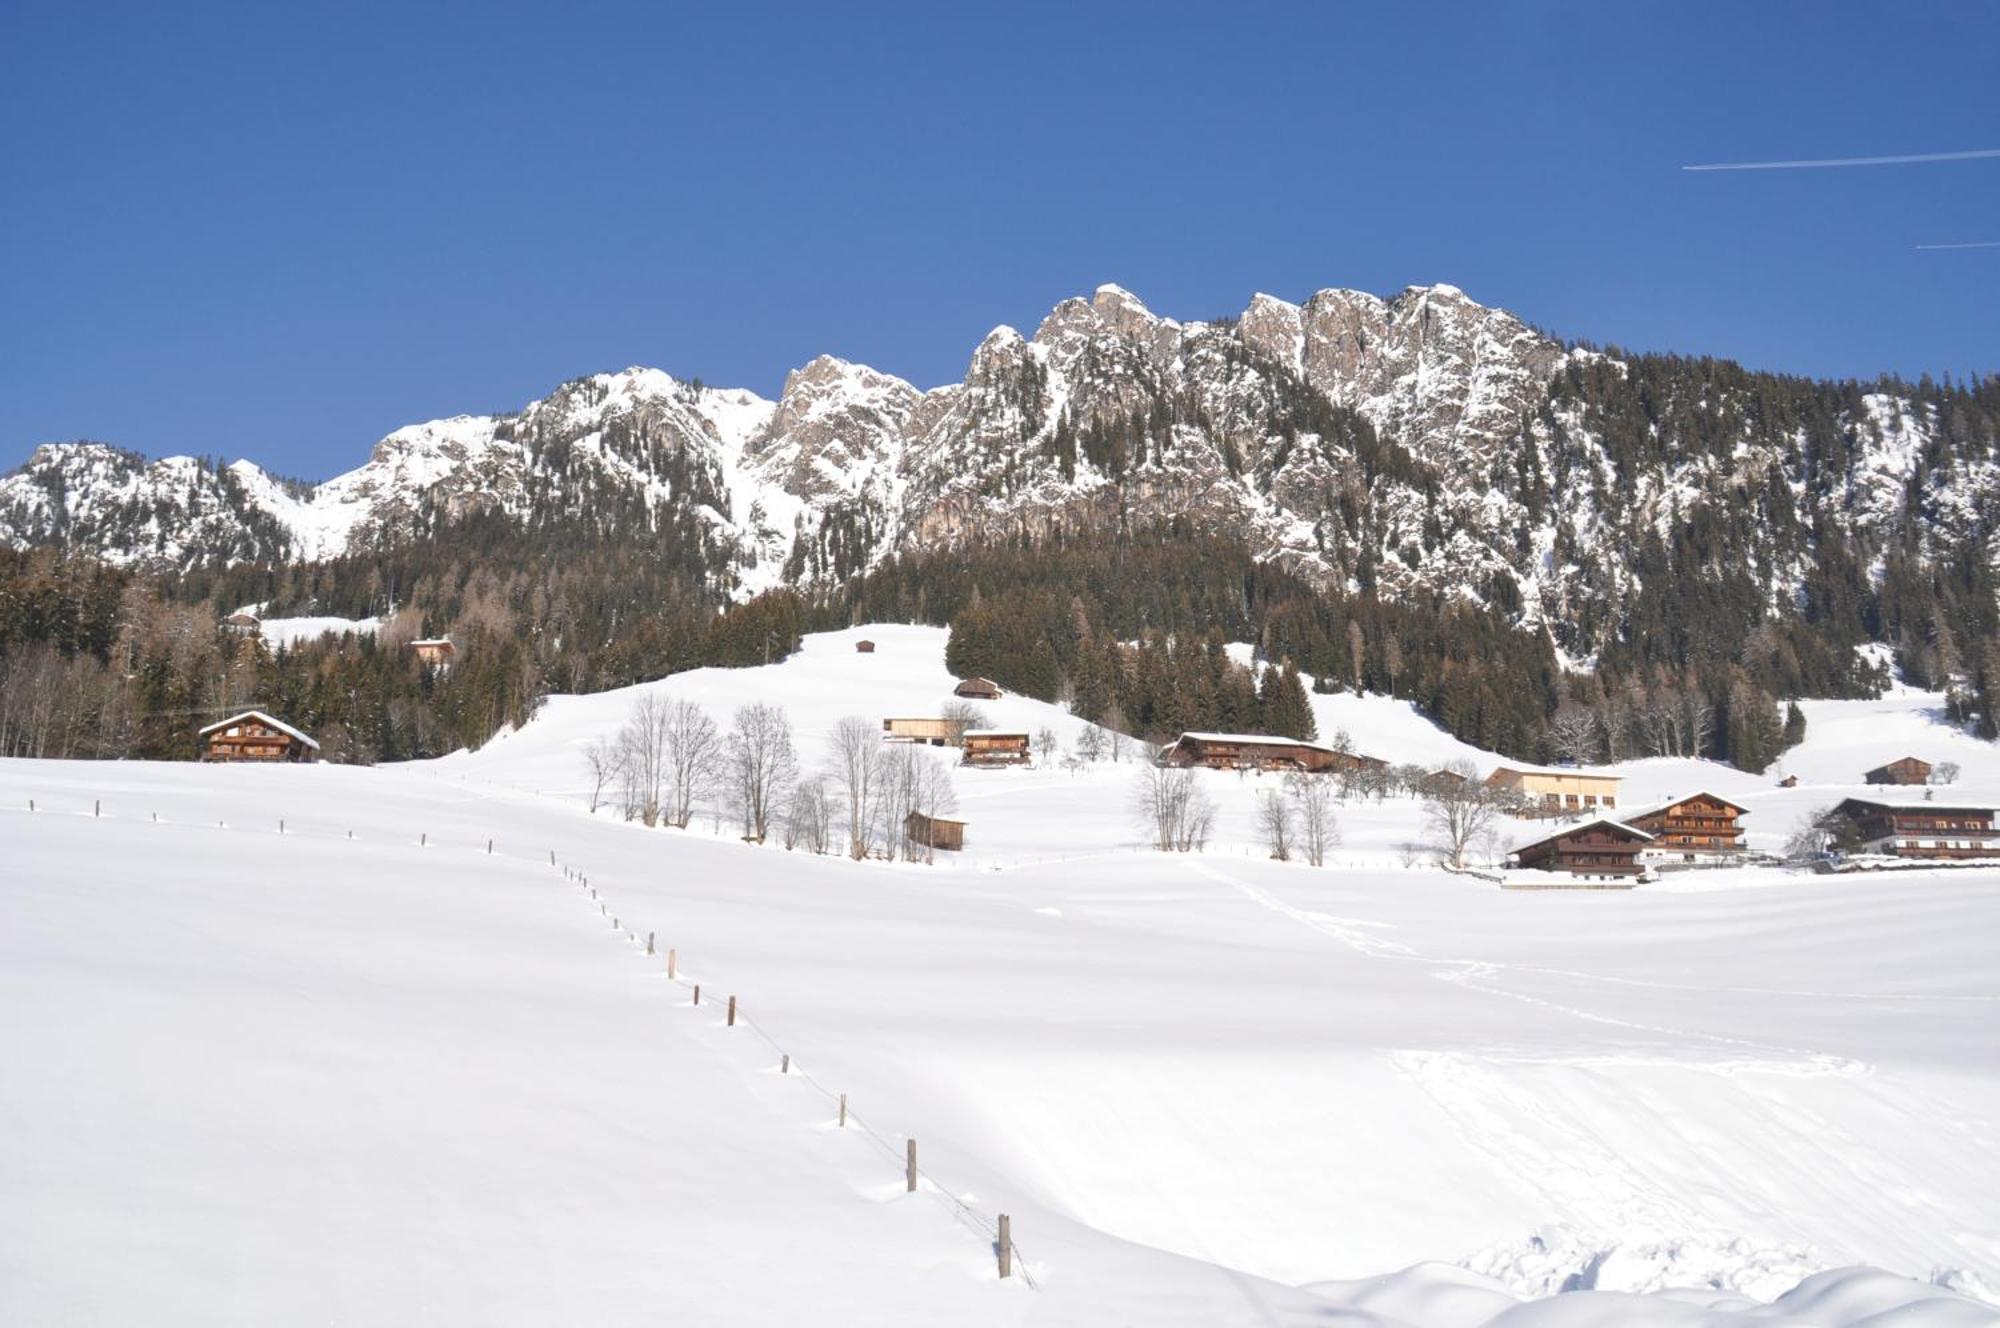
(1259, 751)
(934, 832)
(991, 747)
(1789, 781)
(864, 647)
(1904, 770)
(255, 736)
(1921, 829)
(1699, 828)
(979, 689)
(244, 624)
(936, 732)
(1440, 782)
(1555, 790)
(1600, 850)
(435, 652)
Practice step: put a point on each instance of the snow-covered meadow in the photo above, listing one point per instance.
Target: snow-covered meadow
(257, 1077)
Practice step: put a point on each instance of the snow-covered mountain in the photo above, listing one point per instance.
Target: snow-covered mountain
(1423, 443)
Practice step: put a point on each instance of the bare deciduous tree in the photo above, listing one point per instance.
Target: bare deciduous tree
(809, 817)
(601, 758)
(1274, 819)
(1312, 797)
(1175, 810)
(762, 766)
(693, 753)
(855, 752)
(1944, 772)
(1573, 733)
(960, 717)
(1090, 744)
(1047, 746)
(915, 780)
(1462, 813)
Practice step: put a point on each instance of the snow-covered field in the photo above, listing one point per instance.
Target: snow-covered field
(254, 1077)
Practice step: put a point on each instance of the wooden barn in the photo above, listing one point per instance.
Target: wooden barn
(995, 747)
(934, 831)
(1699, 828)
(864, 647)
(244, 623)
(435, 652)
(255, 736)
(1258, 751)
(1600, 850)
(1789, 781)
(1921, 829)
(1555, 790)
(978, 689)
(1905, 770)
(936, 732)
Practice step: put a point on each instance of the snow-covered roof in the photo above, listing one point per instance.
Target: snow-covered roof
(1685, 797)
(1260, 739)
(259, 715)
(432, 641)
(1632, 830)
(1561, 771)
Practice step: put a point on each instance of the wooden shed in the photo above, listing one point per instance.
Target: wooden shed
(934, 831)
(995, 747)
(1596, 850)
(1904, 770)
(255, 736)
(864, 647)
(935, 731)
(435, 652)
(978, 689)
(244, 623)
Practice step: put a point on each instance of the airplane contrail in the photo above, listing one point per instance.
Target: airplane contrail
(1969, 244)
(1812, 164)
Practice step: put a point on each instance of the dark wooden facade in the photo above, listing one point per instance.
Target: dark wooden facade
(1595, 849)
(255, 736)
(979, 689)
(1904, 770)
(934, 831)
(1921, 829)
(1253, 751)
(864, 647)
(1691, 829)
(992, 747)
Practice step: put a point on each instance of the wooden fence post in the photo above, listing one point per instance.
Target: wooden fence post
(697, 993)
(489, 848)
(424, 839)
(732, 1012)
(649, 942)
(552, 857)
(97, 807)
(31, 804)
(910, 1167)
(785, 1064)
(281, 825)
(670, 965)
(843, 1111)
(1006, 1246)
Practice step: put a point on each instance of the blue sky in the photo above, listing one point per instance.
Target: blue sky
(279, 232)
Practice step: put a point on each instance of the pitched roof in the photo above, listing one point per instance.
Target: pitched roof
(1913, 805)
(1685, 797)
(1620, 826)
(1260, 739)
(277, 724)
(1566, 771)
(1022, 734)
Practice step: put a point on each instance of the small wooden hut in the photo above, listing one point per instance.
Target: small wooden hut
(864, 647)
(435, 652)
(978, 689)
(255, 736)
(934, 831)
(1903, 770)
(244, 623)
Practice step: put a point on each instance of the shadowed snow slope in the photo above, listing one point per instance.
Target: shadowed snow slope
(257, 1078)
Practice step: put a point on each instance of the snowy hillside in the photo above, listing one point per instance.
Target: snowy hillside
(394, 1076)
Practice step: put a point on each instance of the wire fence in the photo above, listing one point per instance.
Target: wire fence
(490, 847)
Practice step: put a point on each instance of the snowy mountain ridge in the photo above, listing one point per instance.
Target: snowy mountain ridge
(1422, 443)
